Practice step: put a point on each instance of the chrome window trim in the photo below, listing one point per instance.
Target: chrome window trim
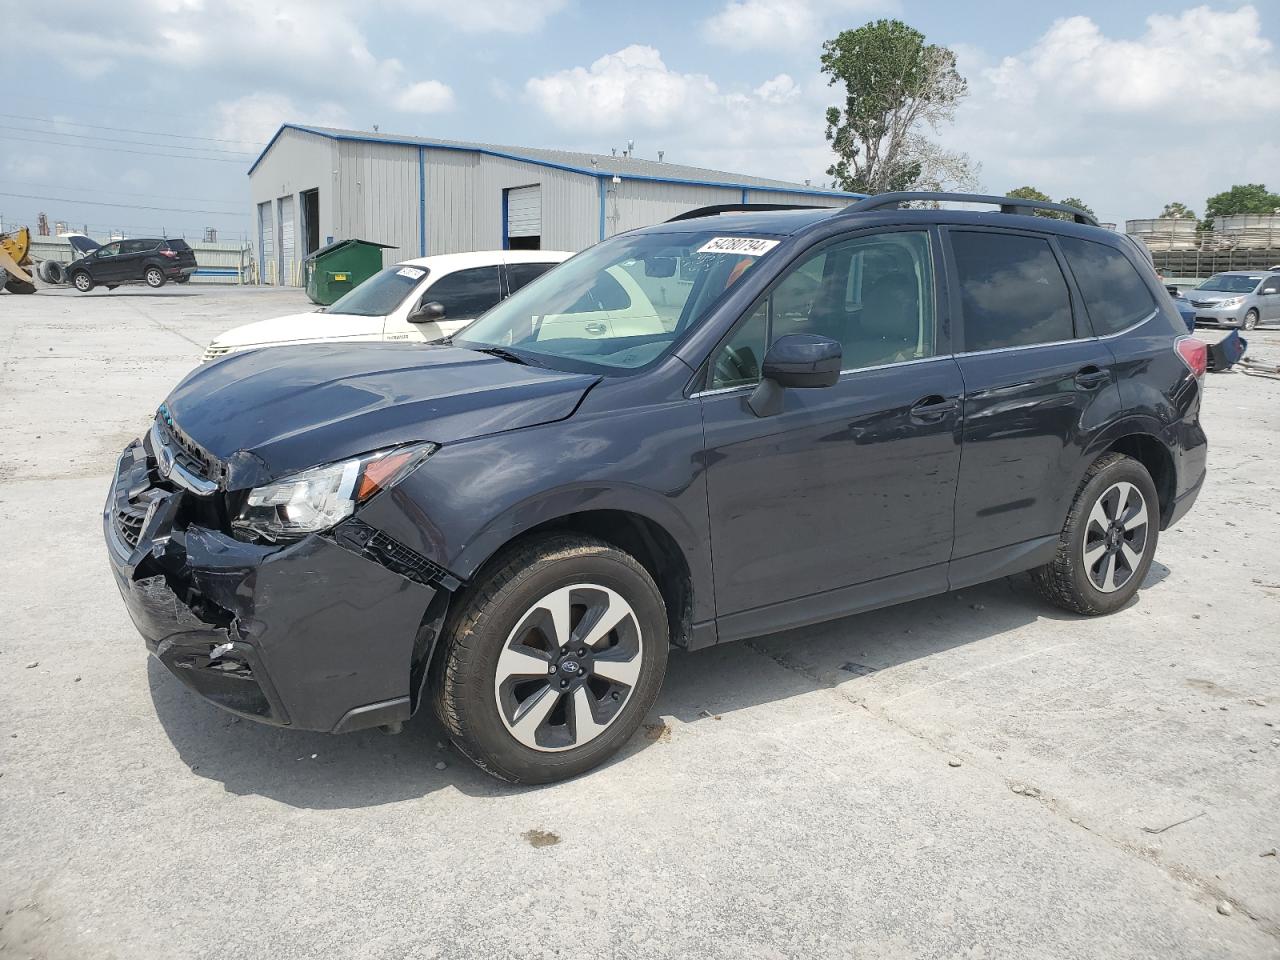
(843, 373)
(1058, 343)
(1133, 326)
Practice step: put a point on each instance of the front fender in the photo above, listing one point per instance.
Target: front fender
(470, 498)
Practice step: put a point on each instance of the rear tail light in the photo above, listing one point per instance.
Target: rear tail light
(171, 254)
(1194, 353)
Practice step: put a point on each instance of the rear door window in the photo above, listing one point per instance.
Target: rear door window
(1114, 293)
(520, 274)
(1012, 290)
(466, 293)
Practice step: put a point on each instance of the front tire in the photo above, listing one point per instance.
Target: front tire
(154, 277)
(1250, 320)
(552, 659)
(82, 282)
(1108, 542)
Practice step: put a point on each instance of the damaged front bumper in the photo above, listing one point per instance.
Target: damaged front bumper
(321, 634)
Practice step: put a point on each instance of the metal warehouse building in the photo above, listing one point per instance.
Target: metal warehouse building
(312, 185)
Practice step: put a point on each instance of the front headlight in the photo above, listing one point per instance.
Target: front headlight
(1228, 303)
(322, 497)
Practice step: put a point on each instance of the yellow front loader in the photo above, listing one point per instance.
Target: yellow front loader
(15, 257)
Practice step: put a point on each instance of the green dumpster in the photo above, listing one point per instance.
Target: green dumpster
(341, 267)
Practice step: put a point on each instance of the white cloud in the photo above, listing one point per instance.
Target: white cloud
(427, 96)
(256, 117)
(774, 130)
(315, 49)
(487, 16)
(1122, 122)
(783, 24)
(630, 88)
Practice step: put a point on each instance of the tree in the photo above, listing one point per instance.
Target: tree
(1078, 204)
(1242, 198)
(1031, 193)
(1177, 211)
(895, 86)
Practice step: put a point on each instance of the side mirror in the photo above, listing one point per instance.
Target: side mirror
(660, 267)
(430, 312)
(800, 361)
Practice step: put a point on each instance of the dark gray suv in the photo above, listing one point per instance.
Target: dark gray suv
(797, 415)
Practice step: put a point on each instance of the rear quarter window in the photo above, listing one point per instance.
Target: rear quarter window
(1114, 292)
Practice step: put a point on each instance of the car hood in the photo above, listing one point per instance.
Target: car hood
(300, 328)
(82, 245)
(269, 413)
(1211, 296)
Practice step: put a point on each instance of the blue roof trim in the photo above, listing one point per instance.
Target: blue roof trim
(504, 155)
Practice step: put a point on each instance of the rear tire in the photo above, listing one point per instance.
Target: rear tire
(1250, 320)
(82, 281)
(551, 660)
(1108, 542)
(154, 277)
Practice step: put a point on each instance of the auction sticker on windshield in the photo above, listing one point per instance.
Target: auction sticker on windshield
(413, 273)
(743, 246)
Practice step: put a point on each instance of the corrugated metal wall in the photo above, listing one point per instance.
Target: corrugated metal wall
(297, 161)
(806, 199)
(370, 190)
(377, 197)
(639, 203)
(451, 178)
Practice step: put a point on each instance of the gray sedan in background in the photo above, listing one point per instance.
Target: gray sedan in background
(1237, 298)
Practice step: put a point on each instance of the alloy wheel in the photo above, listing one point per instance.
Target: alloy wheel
(82, 282)
(569, 667)
(1115, 538)
(154, 277)
(1251, 319)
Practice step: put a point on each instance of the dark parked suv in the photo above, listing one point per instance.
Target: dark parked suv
(126, 261)
(833, 411)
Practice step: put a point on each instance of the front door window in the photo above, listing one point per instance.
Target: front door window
(873, 295)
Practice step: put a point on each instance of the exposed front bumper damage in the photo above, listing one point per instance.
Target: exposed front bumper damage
(320, 634)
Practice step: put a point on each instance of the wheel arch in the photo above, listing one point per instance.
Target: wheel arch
(636, 533)
(1141, 439)
(1156, 457)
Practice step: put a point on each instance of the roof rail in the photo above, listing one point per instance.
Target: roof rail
(1006, 204)
(741, 208)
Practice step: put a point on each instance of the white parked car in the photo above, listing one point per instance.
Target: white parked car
(423, 300)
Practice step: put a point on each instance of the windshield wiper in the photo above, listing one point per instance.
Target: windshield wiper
(505, 354)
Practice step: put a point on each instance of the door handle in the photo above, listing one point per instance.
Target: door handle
(1089, 377)
(595, 327)
(934, 407)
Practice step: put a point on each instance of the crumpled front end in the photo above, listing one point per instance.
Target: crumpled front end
(320, 634)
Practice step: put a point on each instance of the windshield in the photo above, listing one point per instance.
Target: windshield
(381, 293)
(1230, 283)
(620, 304)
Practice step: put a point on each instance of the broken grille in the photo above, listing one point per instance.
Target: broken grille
(129, 525)
(185, 453)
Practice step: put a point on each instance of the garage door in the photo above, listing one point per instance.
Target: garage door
(524, 211)
(288, 264)
(266, 242)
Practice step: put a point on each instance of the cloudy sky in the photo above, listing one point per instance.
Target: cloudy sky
(145, 114)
